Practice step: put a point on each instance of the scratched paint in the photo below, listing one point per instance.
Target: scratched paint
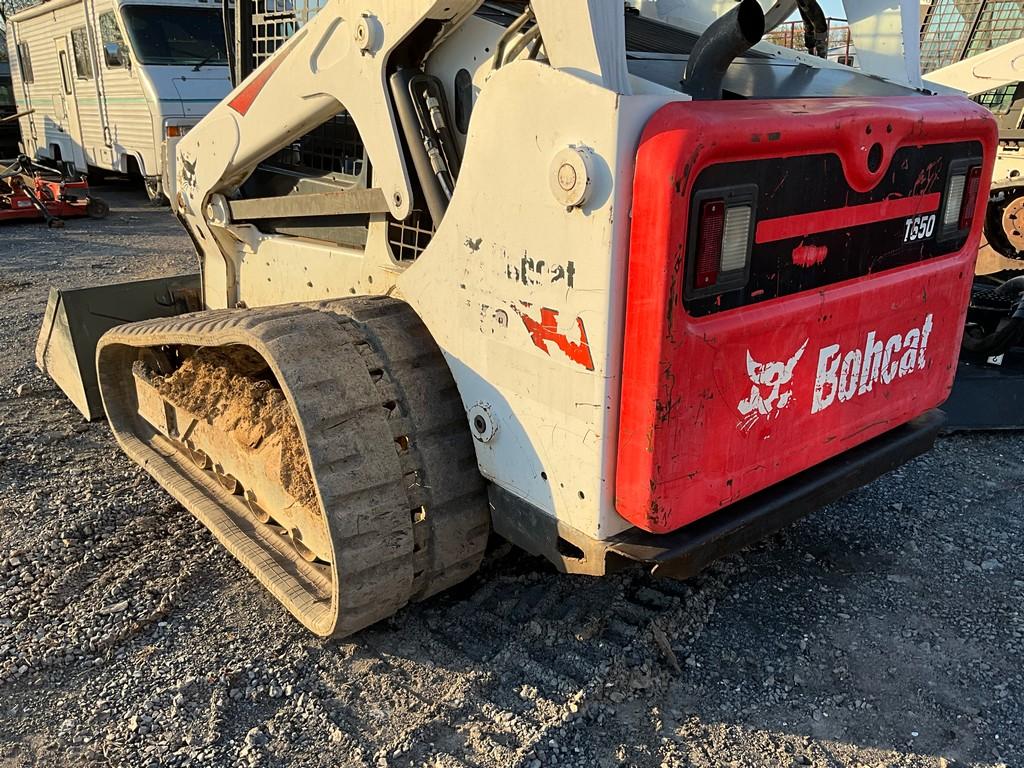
(805, 255)
(529, 271)
(680, 454)
(545, 331)
(929, 179)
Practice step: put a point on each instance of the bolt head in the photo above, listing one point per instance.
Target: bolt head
(567, 177)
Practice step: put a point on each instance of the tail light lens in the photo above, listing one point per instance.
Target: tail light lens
(962, 190)
(709, 242)
(970, 202)
(954, 200)
(736, 239)
(721, 241)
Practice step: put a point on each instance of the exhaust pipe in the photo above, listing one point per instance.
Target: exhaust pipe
(728, 36)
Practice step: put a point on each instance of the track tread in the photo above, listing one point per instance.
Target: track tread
(360, 374)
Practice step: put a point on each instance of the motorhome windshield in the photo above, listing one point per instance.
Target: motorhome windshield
(163, 34)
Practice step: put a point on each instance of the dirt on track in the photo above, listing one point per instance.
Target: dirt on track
(885, 630)
(233, 388)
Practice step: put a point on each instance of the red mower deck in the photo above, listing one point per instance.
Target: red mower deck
(30, 190)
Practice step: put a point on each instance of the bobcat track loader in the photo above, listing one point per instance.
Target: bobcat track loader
(621, 285)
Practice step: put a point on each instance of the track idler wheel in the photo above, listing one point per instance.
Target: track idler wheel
(324, 445)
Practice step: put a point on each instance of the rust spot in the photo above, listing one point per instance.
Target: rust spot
(656, 516)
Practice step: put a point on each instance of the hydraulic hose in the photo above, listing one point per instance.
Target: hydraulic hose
(815, 27)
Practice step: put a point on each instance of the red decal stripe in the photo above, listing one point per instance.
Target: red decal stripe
(546, 330)
(804, 224)
(243, 101)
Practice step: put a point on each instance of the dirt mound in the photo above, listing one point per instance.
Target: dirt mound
(235, 390)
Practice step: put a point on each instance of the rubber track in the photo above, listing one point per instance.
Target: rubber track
(439, 464)
(387, 439)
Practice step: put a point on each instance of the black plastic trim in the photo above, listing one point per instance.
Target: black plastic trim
(684, 553)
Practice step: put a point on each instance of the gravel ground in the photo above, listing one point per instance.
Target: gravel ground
(886, 630)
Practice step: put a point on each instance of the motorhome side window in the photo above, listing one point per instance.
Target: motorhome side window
(80, 46)
(25, 63)
(110, 36)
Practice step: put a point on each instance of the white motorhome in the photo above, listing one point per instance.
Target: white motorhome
(113, 84)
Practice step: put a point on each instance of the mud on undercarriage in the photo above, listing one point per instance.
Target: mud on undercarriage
(322, 445)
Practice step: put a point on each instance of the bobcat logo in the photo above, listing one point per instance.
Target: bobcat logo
(187, 176)
(767, 396)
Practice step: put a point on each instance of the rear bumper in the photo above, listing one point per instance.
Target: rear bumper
(686, 552)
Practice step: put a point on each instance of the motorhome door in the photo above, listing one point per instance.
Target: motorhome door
(71, 124)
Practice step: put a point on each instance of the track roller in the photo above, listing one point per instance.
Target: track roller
(325, 446)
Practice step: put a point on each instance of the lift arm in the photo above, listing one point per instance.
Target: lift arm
(338, 61)
(341, 61)
(993, 69)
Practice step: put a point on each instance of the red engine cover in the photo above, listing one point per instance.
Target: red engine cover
(724, 396)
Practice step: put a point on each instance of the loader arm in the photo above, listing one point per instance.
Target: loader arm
(338, 61)
(993, 69)
(341, 60)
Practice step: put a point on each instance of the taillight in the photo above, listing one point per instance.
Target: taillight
(709, 242)
(962, 190)
(954, 200)
(970, 202)
(736, 239)
(720, 249)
